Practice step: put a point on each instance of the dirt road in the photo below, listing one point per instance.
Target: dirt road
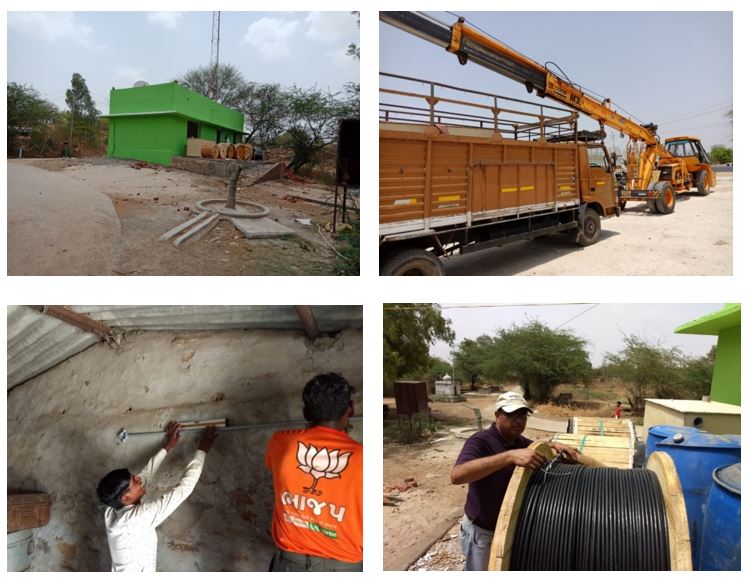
(695, 240)
(150, 200)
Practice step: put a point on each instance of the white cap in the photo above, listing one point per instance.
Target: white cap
(510, 402)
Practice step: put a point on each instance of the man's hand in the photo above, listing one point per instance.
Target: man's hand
(527, 457)
(173, 435)
(567, 451)
(207, 438)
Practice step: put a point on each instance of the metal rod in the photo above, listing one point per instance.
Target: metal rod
(123, 434)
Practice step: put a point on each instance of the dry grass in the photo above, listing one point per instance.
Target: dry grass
(553, 411)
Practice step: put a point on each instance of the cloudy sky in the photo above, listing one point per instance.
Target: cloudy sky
(116, 49)
(603, 325)
(671, 68)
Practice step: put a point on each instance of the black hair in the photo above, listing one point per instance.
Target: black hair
(619, 403)
(112, 487)
(326, 398)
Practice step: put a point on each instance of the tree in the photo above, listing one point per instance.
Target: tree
(650, 370)
(84, 116)
(408, 332)
(470, 358)
(353, 50)
(697, 375)
(28, 114)
(232, 88)
(266, 109)
(540, 357)
(719, 154)
(314, 121)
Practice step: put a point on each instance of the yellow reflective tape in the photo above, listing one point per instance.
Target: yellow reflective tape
(527, 188)
(405, 202)
(444, 198)
(599, 183)
(508, 189)
(564, 188)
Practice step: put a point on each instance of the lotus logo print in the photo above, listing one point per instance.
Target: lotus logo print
(320, 464)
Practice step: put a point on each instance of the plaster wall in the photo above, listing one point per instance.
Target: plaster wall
(63, 424)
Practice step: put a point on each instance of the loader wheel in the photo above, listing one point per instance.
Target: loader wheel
(589, 232)
(702, 183)
(413, 262)
(652, 206)
(665, 203)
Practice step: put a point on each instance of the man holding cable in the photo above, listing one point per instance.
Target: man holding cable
(487, 461)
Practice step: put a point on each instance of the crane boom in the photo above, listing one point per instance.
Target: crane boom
(469, 44)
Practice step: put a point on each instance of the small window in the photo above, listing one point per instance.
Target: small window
(192, 130)
(218, 136)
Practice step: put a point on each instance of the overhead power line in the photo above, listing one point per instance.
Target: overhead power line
(578, 315)
(697, 112)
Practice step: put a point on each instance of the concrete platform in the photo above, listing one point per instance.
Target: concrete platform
(263, 228)
(257, 170)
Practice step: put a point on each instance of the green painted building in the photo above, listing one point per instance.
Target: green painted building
(726, 377)
(153, 122)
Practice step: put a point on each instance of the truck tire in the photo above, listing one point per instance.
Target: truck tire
(652, 206)
(589, 232)
(702, 183)
(665, 203)
(622, 205)
(413, 262)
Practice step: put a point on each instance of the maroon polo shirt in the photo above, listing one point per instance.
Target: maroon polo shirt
(484, 497)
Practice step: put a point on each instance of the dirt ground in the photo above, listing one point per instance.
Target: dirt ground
(151, 200)
(421, 507)
(695, 240)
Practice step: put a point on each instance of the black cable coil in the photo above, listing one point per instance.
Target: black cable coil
(576, 517)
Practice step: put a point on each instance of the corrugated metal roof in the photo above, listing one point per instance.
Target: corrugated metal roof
(37, 342)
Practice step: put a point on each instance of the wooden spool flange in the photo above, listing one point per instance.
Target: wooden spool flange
(660, 463)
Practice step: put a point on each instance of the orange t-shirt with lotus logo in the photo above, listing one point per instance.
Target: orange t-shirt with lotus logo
(317, 493)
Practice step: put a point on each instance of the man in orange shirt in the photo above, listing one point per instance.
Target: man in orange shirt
(317, 474)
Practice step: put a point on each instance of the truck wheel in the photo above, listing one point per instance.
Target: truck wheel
(589, 232)
(665, 203)
(413, 262)
(702, 183)
(622, 205)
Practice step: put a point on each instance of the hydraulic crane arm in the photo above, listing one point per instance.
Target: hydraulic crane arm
(472, 45)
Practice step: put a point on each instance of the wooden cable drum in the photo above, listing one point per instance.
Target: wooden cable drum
(210, 151)
(616, 451)
(230, 150)
(222, 149)
(603, 427)
(243, 151)
(590, 517)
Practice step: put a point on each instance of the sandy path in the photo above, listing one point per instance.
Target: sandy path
(695, 240)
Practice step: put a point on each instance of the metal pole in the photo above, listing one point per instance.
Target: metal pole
(234, 176)
(123, 434)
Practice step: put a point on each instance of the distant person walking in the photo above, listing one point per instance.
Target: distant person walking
(618, 410)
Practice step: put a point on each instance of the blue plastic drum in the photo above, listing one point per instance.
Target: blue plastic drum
(721, 535)
(695, 458)
(659, 433)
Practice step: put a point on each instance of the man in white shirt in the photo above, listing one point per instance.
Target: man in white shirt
(131, 523)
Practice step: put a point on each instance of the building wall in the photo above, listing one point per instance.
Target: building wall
(659, 415)
(174, 97)
(726, 377)
(62, 428)
(152, 139)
